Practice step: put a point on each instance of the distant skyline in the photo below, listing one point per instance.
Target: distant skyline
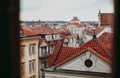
(63, 10)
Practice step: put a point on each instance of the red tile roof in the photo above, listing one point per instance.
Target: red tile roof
(67, 53)
(42, 30)
(64, 31)
(106, 18)
(55, 53)
(91, 32)
(106, 39)
(27, 31)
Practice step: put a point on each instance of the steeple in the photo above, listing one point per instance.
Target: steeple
(99, 13)
(99, 17)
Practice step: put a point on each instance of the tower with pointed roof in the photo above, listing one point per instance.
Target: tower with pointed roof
(99, 18)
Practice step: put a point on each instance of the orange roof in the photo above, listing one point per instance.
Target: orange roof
(91, 32)
(106, 39)
(55, 53)
(43, 30)
(68, 53)
(64, 31)
(31, 31)
(27, 31)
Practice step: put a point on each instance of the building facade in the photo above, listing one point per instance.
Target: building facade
(29, 57)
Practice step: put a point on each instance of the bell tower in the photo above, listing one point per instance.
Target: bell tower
(99, 18)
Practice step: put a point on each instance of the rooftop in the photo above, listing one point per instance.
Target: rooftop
(96, 46)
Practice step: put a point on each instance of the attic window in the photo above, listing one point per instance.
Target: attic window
(88, 63)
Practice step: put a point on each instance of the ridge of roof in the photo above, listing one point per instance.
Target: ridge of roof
(67, 53)
(55, 54)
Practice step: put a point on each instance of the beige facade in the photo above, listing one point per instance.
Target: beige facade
(29, 57)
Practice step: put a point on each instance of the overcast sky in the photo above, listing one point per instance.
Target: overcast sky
(63, 10)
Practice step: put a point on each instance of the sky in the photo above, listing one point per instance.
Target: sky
(63, 10)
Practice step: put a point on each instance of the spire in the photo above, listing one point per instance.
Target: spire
(99, 18)
(99, 13)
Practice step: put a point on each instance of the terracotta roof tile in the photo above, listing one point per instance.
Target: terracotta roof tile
(40, 30)
(68, 53)
(97, 31)
(106, 39)
(64, 31)
(27, 31)
(55, 53)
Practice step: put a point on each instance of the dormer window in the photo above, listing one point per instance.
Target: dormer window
(44, 51)
(48, 37)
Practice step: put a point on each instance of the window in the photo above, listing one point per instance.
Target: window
(48, 37)
(22, 68)
(33, 65)
(88, 63)
(22, 49)
(32, 49)
(55, 36)
(43, 51)
(30, 69)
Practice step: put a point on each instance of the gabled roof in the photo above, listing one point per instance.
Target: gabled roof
(66, 54)
(53, 57)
